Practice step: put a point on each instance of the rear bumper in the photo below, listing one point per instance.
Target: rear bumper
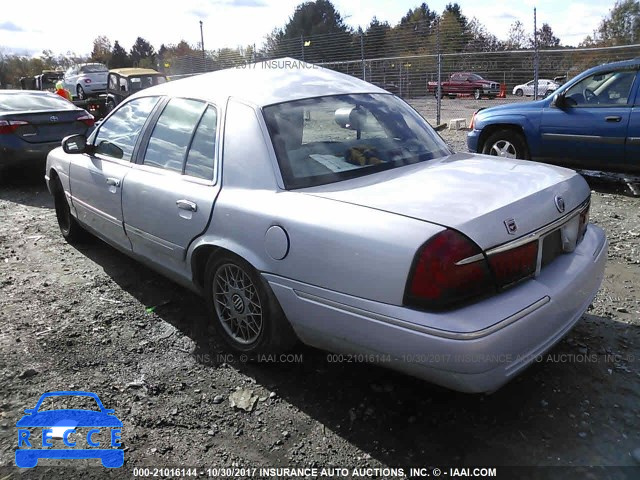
(542, 311)
(22, 154)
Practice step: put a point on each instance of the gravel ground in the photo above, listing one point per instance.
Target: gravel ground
(88, 318)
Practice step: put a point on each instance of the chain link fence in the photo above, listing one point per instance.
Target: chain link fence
(416, 77)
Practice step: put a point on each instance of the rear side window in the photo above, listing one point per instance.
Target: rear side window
(200, 160)
(172, 134)
(22, 102)
(118, 134)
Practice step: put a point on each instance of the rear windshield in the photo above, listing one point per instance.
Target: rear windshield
(328, 139)
(139, 83)
(93, 68)
(22, 102)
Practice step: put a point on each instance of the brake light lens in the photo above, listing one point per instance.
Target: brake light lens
(514, 264)
(87, 119)
(441, 280)
(10, 126)
(473, 120)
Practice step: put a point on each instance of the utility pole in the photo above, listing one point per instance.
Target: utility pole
(364, 76)
(439, 85)
(204, 58)
(536, 59)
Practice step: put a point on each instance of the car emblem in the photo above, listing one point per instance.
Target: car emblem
(559, 203)
(53, 118)
(512, 228)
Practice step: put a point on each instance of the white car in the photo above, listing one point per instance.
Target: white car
(303, 203)
(86, 80)
(545, 87)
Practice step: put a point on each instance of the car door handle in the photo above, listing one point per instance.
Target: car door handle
(114, 182)
(613, 119)
(187, 205)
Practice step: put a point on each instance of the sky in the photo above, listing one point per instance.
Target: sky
(28, 27)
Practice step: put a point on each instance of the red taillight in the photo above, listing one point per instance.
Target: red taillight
(514, 264)
(445, 274)
(87, 119)
(87, 80)
(473, 119)
(10, 126)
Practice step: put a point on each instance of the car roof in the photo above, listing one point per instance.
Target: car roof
(265, 83)
(128, 72)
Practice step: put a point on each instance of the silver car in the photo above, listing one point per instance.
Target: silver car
(86, 80)
(307, 204)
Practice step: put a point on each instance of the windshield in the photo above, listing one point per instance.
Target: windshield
(328, 139)
(93, 68)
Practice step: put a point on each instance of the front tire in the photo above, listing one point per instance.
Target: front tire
(506, 144)
(69, 226)
(244, 310)
(81, 94)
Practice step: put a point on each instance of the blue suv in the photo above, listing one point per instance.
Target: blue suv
(592, 122)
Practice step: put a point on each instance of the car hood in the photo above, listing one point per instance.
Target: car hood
(474, 194)
(69, 418)
(514, 107)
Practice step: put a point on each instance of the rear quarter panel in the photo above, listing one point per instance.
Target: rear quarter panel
(334, 245)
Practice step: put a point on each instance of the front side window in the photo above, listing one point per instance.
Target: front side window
(172, 134)
(602, 89)
(328, 139)
(118, 134)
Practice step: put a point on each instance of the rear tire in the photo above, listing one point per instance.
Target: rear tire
(477, 94)
(69, 226)
(110, 105)
(244, 310)
(506, 144)
(519, 92)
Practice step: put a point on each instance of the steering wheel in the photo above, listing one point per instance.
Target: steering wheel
(589, 96)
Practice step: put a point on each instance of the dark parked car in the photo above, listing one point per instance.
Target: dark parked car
(32, 123)
(123, 82)
(589, 123)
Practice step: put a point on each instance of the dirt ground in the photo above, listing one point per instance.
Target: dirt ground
(89, 318)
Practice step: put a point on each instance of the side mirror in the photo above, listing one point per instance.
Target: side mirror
(74, 144)
(558, 100)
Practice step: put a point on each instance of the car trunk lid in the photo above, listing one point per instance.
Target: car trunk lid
(49, 126)
(492, 201)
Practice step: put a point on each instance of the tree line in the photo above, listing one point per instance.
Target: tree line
(317, 32)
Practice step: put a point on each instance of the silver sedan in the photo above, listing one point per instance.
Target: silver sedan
(304, 204)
